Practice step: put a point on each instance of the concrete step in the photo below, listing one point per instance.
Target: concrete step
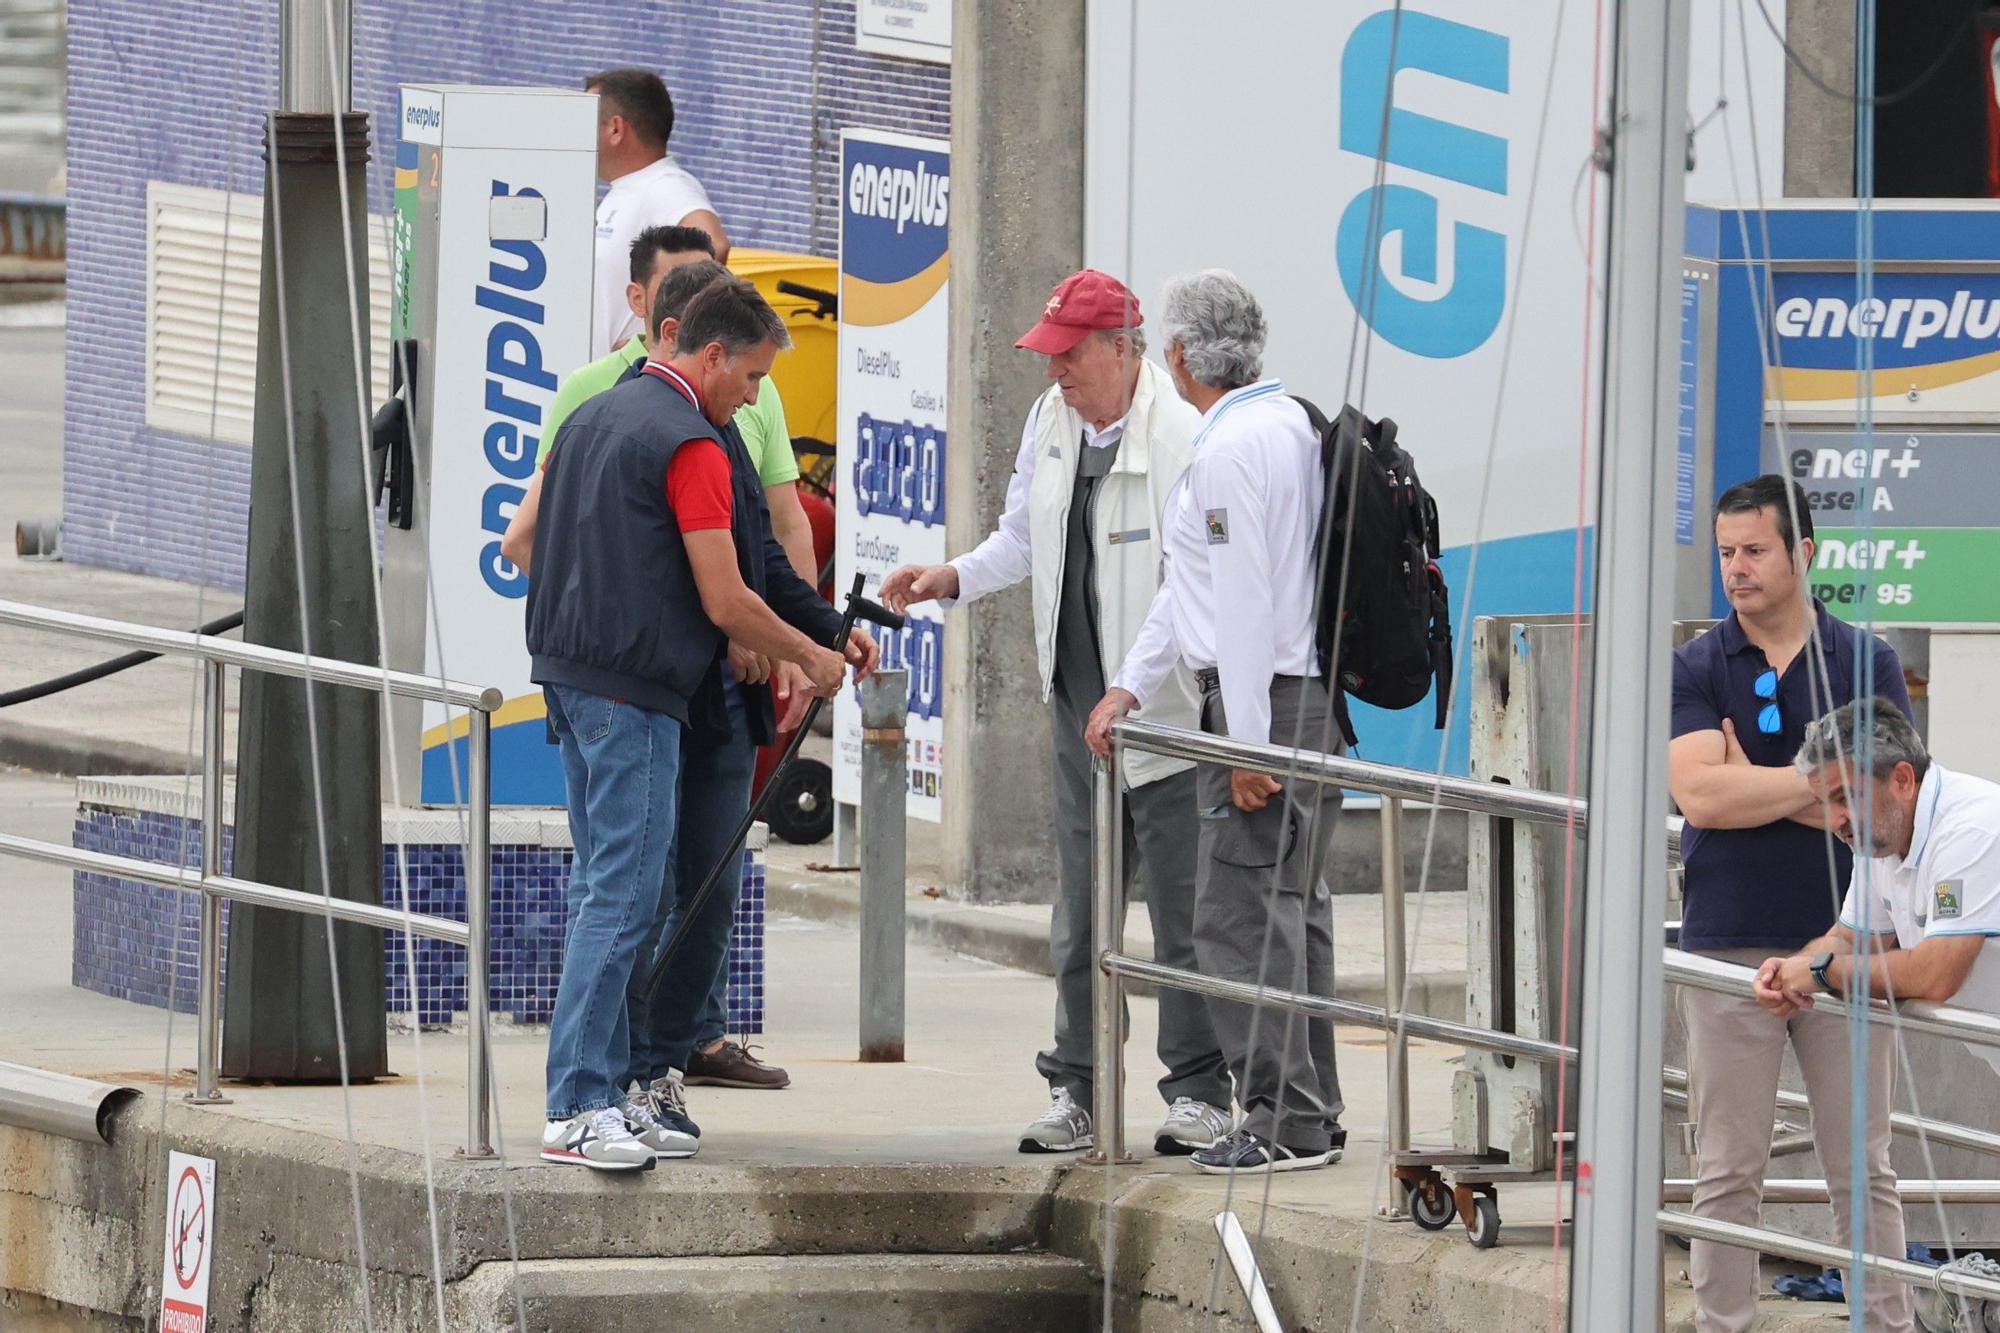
(864, 1293)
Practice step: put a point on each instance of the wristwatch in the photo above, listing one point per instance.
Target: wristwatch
(1820, 963)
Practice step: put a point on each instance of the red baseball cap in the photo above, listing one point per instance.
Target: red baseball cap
(1081, 302)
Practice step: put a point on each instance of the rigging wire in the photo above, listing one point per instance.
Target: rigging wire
(1360, 327)
(1763, 300)
(231, 147)
(274, 201)
(342, 79)
(478, 1020)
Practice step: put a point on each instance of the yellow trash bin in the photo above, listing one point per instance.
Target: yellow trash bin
(805, 375)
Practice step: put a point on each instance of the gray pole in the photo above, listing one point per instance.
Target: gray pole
(1615, 1268)
(885, 783)
(306, 78)
(310, 588)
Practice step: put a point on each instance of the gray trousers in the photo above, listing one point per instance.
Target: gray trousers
(1263, 915)
(1160, 845)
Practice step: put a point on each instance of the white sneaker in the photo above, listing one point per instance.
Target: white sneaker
(1064, 1127)
(597, 1139)
(664, 1139)
(1190, 1126)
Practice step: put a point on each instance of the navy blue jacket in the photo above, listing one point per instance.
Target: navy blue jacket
(612, 604)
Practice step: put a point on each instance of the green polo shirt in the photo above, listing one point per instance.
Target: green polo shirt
(762, 422)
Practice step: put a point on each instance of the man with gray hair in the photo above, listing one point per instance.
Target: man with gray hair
(1099, 456)
(1236, 605)
(1927, 899)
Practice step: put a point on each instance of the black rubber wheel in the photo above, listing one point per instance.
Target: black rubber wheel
(1484, 1233)
(1429, 1204)
(801, 810)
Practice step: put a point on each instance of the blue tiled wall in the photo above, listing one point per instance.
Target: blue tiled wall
(136, 942)
(176, 91)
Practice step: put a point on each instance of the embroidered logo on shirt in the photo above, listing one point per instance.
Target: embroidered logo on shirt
(1947, 894)
(1218, 526)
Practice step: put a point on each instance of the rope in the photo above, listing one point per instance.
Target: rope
(275, 202)
(389, 710)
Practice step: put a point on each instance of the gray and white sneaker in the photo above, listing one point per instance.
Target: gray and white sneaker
(596, 1139)
(1064, 1127)
(666, 1140)
(1190, 1126)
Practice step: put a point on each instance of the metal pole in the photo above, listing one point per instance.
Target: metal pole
(1814, 1191)
(305, 70)
(885, 784)
(846, 835)
(1394, 944)
(1615, 1267)
(478, 918)
(208, 979)
(1107, 988)
(1818, 1252)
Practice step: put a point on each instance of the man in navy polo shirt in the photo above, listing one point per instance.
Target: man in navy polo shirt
(1763, 874)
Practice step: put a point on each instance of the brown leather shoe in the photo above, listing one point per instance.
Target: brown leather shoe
(732, 1066)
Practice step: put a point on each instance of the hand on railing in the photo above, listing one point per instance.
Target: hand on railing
(1115, 704)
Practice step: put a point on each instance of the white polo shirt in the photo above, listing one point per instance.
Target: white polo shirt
(1242, 537)
(659, 195)
(1948, 885)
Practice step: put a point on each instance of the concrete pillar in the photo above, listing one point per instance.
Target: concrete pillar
(1819, 129)
(1016, 230)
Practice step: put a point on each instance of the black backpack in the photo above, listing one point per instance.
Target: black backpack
(1392, 620)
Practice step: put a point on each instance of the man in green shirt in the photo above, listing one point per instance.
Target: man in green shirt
(656, 252)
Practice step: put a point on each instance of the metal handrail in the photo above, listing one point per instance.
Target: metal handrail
(216, 655)
(248, 656)
(1496, 800)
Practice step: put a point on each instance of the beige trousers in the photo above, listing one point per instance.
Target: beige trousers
(1735, 1048)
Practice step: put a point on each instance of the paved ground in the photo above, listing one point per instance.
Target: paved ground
(963, 1094)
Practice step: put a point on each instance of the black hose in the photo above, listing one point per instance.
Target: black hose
(858, 607)
(56, 685)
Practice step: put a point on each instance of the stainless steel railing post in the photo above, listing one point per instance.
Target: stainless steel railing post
(1395, 944)
(478, 920)
(1107, 990)
(208, 949)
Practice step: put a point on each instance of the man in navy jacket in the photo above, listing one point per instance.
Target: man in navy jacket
(653, 552)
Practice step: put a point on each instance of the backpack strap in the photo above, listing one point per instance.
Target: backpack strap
(1314, 417)
(1340, 714)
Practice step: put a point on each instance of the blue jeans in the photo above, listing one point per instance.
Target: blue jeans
(715, 791)
(621, 771)
(687, 1010)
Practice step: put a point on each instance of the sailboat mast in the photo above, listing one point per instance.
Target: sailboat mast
(1615, 1265)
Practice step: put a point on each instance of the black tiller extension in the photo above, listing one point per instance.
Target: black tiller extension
(858, 608)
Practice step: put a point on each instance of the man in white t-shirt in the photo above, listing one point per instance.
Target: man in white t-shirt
(1927, 896)
(635, 118)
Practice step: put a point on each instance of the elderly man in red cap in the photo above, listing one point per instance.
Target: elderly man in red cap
(1100, 452)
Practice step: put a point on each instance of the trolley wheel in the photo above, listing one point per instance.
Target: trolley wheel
(801, 810)
(1429, 1203)
(1483, 1229)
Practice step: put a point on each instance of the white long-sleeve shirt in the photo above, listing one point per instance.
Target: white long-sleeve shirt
(1241, 538)
(1005, 557)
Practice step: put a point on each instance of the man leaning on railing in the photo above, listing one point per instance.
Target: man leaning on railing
(1927, 898)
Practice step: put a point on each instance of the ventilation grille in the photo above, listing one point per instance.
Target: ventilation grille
(203, 256)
